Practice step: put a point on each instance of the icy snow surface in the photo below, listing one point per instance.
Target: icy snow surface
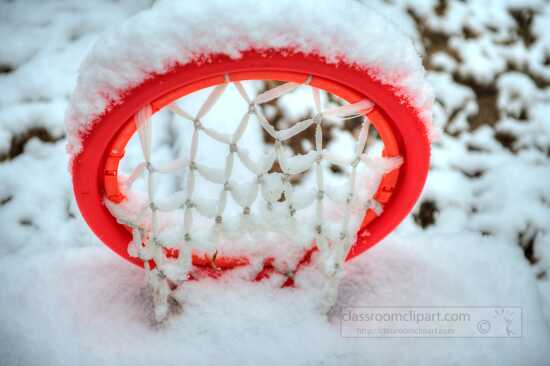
(87, 307)
(479, 236)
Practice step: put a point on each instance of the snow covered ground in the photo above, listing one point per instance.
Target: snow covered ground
(479, 236)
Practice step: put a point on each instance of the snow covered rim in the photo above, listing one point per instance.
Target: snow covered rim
(175, 33)
(407, 138)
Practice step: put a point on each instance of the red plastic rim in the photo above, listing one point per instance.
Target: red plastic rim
(403, 133)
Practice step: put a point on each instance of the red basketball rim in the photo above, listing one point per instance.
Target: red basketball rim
(95, 169)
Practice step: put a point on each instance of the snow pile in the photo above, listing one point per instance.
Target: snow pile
(479, 236)
(87, 307)
(179, 32)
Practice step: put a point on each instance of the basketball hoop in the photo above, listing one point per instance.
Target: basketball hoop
(340, 223)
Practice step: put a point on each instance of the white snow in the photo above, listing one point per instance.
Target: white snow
(87, 307)
(177, 33)
(45, 57)
(66, 299)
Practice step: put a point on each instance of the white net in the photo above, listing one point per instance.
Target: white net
(253, 206)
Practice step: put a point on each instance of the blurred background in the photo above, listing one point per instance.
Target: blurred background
(488, 62)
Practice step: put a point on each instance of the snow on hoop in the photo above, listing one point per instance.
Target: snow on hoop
(178, 32)
(276, 218)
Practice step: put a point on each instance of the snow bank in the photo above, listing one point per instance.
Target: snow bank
(86, 307)
(178, 32)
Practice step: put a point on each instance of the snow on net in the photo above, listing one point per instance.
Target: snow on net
(274, 218)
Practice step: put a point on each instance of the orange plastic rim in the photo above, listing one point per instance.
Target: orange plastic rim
(95, 169)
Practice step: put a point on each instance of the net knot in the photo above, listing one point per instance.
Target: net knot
(197, 123)
(320, 195)
(292, 210)
(319, 229)
(251, 108)
(318, 118)
(161, 274)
